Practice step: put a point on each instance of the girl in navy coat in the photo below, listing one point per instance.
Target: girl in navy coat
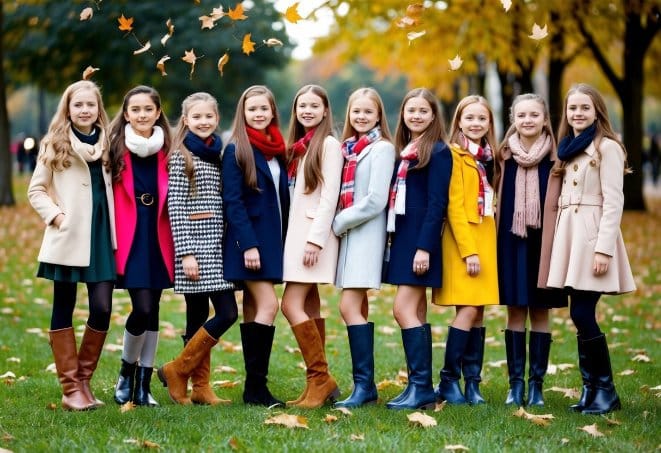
(256, 200)
(417, 208)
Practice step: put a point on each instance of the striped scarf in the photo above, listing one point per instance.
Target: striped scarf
(397, 199)
(351, 149)
(298, 150)
(480, 154)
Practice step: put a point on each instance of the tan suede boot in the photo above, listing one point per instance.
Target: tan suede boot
(321, 328)
(202, 392)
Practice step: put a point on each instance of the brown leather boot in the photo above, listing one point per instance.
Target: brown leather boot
(321, 328)
(321, 385)
(63, 344)
(202, 392)
(174, 375)
(88, 358)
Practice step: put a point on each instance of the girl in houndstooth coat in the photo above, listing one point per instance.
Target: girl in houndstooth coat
(196, 213)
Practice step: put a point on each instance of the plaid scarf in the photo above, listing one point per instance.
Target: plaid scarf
(480, 154)
(397, 199)
(351, 148)
(268, 141)
(298, 150)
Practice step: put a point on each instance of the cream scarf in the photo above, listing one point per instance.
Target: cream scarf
(141, 146)
(88, 152)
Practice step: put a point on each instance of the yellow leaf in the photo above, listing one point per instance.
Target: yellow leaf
(86, 13)
(143, 49)
(330, 418)
(128, 406)
(237, 12)
(87, 73)
(539, 32)
(421, 419)
(161, 65)
(272, 42)
(150, 444)
(291, 14)
(288, 420)
(125, 24)
(248, 46)
(507, 4)
(207, 22)
(593, 430)
(415, 35)
(456, 63)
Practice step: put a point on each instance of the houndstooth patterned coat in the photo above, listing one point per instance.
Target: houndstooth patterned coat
(197, 224)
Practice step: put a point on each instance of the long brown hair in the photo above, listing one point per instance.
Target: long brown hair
(57, 155)
(382, 122)
(434, 133)
(244, 154)
(182, 129)
(116, 134)
(314, 154)
(490, 136)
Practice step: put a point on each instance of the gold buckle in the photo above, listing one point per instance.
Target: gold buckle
(146, 199)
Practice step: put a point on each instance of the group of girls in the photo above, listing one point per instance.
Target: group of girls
(418, 211)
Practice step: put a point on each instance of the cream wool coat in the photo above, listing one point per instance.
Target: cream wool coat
(310, 219)
(588, 221)
(69, 192)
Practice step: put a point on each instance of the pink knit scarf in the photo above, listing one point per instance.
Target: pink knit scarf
(527, 212)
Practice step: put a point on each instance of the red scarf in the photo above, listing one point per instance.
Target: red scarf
(298, 150)
(351, 149)
(397, 199)
(269, 141)
(480, 154)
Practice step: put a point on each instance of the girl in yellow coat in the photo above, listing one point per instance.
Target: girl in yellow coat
(470, 278)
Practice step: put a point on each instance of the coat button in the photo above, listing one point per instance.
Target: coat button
(575, 182)
(575, 167)
(593, 163)
(575, 209)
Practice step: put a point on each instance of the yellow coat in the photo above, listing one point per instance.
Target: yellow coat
(465, 234)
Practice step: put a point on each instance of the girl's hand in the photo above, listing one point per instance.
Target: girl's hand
(310, 254)
(472, 265)
(57, 221)
(420, 262)
(600, 264)
(191, 269)
(251, 259)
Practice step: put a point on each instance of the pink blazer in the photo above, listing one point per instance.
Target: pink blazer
(126, 215)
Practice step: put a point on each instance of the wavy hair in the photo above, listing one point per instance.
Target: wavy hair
(373, 95)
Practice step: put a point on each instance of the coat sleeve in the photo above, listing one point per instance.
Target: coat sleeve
(178, 207)
(457, 211)
(438, 183)
(383, 163)
(39, 193)
(331, 169)
(236, 213)
(611, 174)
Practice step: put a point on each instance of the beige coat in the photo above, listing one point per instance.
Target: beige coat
(68, 192)
(588, 221)
(310, 219)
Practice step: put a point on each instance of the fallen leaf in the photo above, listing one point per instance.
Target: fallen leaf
(564, 441)
(273, 42)
(288, 420)
(567, 392)
(539, 32)
(247, 46)
(113, 347)
(495, 363)
(612, 421)
(86, 13)
(233, 443)
(225, 369)
(51, 406)
(457, 447)
(125, 24)
(225, 384)
(150, 444)
(330, 418)
(387, 330)
(641, 358)
(415, 35)
(387, 383)
(51, 368)
(291, 14)
(143, 49)
(456, 63)
(357, 437)
(36, 330)
(593, 430)
(440, 406)
(507, 4)
(237, 12)
(161, 67)
(8, 375)
(627, 372)
(13, 359)
(222, 61)
(128, 406)
(207, 22)
(421, 419)
(537, 419)
(344, 410)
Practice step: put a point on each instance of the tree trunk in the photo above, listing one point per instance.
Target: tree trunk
(6, 190)
(557, 65)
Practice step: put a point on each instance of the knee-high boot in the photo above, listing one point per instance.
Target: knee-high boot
(605, 397)
(88, 358)
(539, 349)
(584, 365)
(321, 385)
(515, 349)
(449, 389)
(257, 341)
(63, 345)
(361, 343)
(321, 328)
(471, 365)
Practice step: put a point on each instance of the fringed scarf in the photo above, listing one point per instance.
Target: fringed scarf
(481, 155)
(351, 149)
(298, 150)
(397, 199)
(268, 141)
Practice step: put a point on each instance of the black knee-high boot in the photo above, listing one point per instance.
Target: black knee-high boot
(257, 341)
(539, 349)
(515, 348)
(449, 389)
(471, 365)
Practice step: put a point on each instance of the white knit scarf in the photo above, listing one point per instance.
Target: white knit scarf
(141, 146)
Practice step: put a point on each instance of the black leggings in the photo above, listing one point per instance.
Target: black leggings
(197, 312)
(583, 312)
(145, 304)
(64, 302)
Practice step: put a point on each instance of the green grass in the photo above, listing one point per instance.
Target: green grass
(31, 419)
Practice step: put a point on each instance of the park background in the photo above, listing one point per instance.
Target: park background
(491, 47)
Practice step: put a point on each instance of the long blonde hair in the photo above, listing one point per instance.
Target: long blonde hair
(382, 122)
(489, 137)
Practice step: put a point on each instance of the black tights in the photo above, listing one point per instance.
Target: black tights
(144, 310)
(197, 312)
(582, 309)
(64, 302)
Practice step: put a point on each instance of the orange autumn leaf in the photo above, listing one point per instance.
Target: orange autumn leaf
(207, 22)
(237, 12)
(248, 46)
(222, 61)
(87, 73)
(291, 14)
(189, 57)
(161, 65)
(170, 32)
(125, 24)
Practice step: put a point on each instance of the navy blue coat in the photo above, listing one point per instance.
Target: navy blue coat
(253, 218)
(420, 227)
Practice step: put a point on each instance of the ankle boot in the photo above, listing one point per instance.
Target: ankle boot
(361, 344)
(175, 374)
(449, 389)
(125, 383)
(321, 328)
(515, 349)
(321, 385)
(471, 365)
(63, 345)
(539, 349)
(417, 347)
(605, 398)
(88, 358)
(142, 393)
(257, 341)
(584, 365)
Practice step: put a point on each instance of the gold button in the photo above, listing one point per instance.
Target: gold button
(575, 182)
(575, 167)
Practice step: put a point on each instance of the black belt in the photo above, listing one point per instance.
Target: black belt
(146, 199)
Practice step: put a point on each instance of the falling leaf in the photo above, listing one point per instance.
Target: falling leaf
(507, 4)
(248, 46)
(143, 49)
(161, 65)
(170, 32)
(424, 420)
(415, 35)
(330, 418)
(288, 420)
(86, 13)
(237, 12)
(207, 22)
(87, 73)
(291, 14)
(627, 372)
(456, 63)
(344, 410)
(355, 437)
(539, 32)
(641, 358)
(457, 447)
(222, 61)
(272, 42)
(126, 407)
(189, 57)
(593, 430)
(125, 24)
(217, 13)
